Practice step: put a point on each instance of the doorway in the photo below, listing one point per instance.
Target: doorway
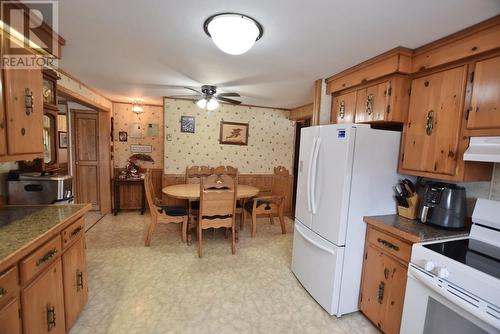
(298, 127)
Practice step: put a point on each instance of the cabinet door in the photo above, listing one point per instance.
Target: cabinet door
(485, 104)
(75, 281)
(371, 303)
(394, 294)
(343, 108)
(43, 303)
(9, 318)
(372, 102)
(24, 111)
(434, 121)
(3, 133)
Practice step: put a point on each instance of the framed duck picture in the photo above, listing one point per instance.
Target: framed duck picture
(233, 133)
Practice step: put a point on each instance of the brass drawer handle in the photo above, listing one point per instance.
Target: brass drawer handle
(429, 123)
(50, 254)
(79, 280)
(342, 110)
(51, 317)
(3, 292)
(28, 101)
(387, 244)
(369, 104)
(76, 231)
(380, 294)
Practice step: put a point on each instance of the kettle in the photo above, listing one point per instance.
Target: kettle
(443, 205)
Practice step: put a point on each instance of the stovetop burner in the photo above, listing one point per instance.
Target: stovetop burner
(471, 252)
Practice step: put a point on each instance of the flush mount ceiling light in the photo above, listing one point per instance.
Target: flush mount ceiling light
(137, 107)
(233, 33)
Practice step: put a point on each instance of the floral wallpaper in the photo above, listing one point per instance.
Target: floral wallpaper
(73, 85)
(270, 139)
(125, 120)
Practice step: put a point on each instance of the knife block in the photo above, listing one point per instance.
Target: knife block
(412, 211)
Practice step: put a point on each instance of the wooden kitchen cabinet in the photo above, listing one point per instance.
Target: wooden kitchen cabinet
(3, 132)
(24, 111)
(343, 108)
(43, 303)
(484, 111)
(372, 103)
(9, 318)
(384, 280)
(75, 281)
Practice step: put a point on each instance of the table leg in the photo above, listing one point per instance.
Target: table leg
(116, 188)
(143, 199)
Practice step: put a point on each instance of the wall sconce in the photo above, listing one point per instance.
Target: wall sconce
(137, 107)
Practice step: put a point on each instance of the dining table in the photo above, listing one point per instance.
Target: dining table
(191, 191)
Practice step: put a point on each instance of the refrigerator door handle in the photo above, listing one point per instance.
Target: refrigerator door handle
(314, 174)
(313, 148)
(312, 242)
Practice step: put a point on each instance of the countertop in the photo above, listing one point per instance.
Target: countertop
(22, 225)
(413, 230)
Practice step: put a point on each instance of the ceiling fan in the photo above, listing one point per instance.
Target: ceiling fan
(208, 97)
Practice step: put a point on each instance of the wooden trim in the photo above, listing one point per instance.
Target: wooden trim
(239, 105)
(316, 109)
(384, 56)
(104, 125)
(144, 104)
(73, 96)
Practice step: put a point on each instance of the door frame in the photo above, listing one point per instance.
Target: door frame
(303, 123)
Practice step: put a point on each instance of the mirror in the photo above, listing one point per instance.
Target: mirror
(49, 139)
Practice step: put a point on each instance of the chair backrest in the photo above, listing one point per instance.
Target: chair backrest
(195, 173)
(281, 181)
(226, 170)
(218, 200)
(150, 194)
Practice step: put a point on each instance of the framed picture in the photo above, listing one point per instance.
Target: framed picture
(187, 124)
(122, 135)
(233, 133)
(63, 139)
(141, 148)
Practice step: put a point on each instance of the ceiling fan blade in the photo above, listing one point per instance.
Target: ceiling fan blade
(227, 100)
(229, 94)
(194, 90)
(185, 96)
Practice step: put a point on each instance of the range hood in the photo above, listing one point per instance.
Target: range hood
(483, 149)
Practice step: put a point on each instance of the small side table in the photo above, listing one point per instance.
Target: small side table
(117, 182)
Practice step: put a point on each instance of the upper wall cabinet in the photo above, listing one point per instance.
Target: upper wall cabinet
(343, 108)
(484, 111)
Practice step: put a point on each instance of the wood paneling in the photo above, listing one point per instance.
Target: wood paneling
(302, 112)
(24, 129)
(397, 60)
(484, 112)
(474, 40)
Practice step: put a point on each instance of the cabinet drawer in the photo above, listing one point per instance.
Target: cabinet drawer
(40, 259)
(8, 285)
(73, 232)
(390, 244)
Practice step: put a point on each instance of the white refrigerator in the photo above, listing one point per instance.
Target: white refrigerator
(345, 172)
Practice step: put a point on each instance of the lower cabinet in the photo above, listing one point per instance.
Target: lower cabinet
(43, 302)
(9, 318)
(383, 285)
(75, 281)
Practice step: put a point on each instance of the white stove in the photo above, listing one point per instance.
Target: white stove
(454, 285)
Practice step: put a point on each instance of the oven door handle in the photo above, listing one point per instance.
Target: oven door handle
(428, 281)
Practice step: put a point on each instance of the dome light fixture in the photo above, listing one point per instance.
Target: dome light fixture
(233, 33)
(137, 107)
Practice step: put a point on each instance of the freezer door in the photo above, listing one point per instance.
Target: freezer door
(331, 182)
(303, 210)
(317, 264)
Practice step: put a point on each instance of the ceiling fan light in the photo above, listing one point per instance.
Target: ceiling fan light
(233, 34)
(212, 104)
(202, 103)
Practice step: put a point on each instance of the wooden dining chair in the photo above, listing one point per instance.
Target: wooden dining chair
(233, 172)
(162, 214)
(270, 205)
(194, 175)
(217, 206)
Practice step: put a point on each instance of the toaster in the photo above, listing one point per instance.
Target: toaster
(443, 205)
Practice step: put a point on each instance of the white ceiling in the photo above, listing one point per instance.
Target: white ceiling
(135, 49)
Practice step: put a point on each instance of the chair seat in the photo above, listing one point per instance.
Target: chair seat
(249, 205)
(173, 211)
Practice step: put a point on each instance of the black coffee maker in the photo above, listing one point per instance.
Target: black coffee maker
(443, 205)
